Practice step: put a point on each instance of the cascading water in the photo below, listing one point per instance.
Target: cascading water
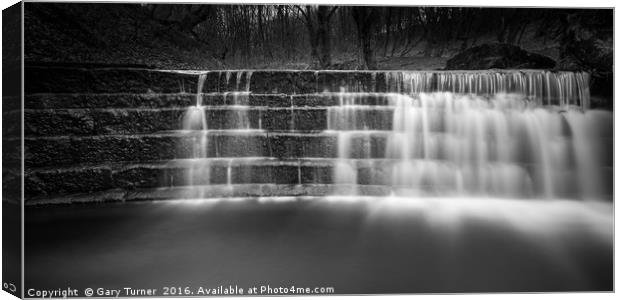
(519, 134)
(439, 178)
(541, 87)
(195, 123)
(343, 119)
(463, 160)
(509, 134)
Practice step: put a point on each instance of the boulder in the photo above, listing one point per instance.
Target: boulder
(586, 44)
(498, 56)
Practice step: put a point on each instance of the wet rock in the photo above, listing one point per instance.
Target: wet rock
(78, 180)
(66, 151)
(91, 101)
(585, 45)
(97, 122)
(106, 80)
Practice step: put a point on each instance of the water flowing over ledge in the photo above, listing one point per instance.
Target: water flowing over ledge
(548, 87)
(500, 133)
(469, 133)
(544, 87)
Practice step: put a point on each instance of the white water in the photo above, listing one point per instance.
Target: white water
(196, 118)
(512, 134)
(469, 161)
(539, 141)
(541, 87)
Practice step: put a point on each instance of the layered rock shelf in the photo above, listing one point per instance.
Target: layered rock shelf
(114, 134)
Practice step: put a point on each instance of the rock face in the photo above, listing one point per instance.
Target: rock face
(585, 45)
(118, 134)
(498, 56)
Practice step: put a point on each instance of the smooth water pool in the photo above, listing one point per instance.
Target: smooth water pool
(354, 244)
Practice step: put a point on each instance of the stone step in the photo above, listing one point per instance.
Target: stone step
(109, 121)
(184, 100)
(260, 193)
(216, 192)
(135, 121)
(192, 172)
(535, 83)
(44, 79)
(167, 146)
(70, 150)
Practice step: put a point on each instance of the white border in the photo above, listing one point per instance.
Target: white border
(522, 3)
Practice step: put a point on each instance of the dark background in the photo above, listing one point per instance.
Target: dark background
(203, 36)
(296, 36)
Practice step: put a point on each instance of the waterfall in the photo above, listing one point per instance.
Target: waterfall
(195, 124)
(543, 87)
(200, 88)
(241, 101)
(516, 134)
(501, 134)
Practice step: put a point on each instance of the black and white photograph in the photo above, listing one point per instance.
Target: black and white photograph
(200, 149)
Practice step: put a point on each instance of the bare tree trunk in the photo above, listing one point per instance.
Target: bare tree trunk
(317, 22)
(324, 45)
(365, 18)
(388, 25)
(399, 27)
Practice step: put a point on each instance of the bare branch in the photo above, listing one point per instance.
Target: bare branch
(304, 14)
(331, 12)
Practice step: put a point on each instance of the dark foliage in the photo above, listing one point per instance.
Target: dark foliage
(301, 37)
